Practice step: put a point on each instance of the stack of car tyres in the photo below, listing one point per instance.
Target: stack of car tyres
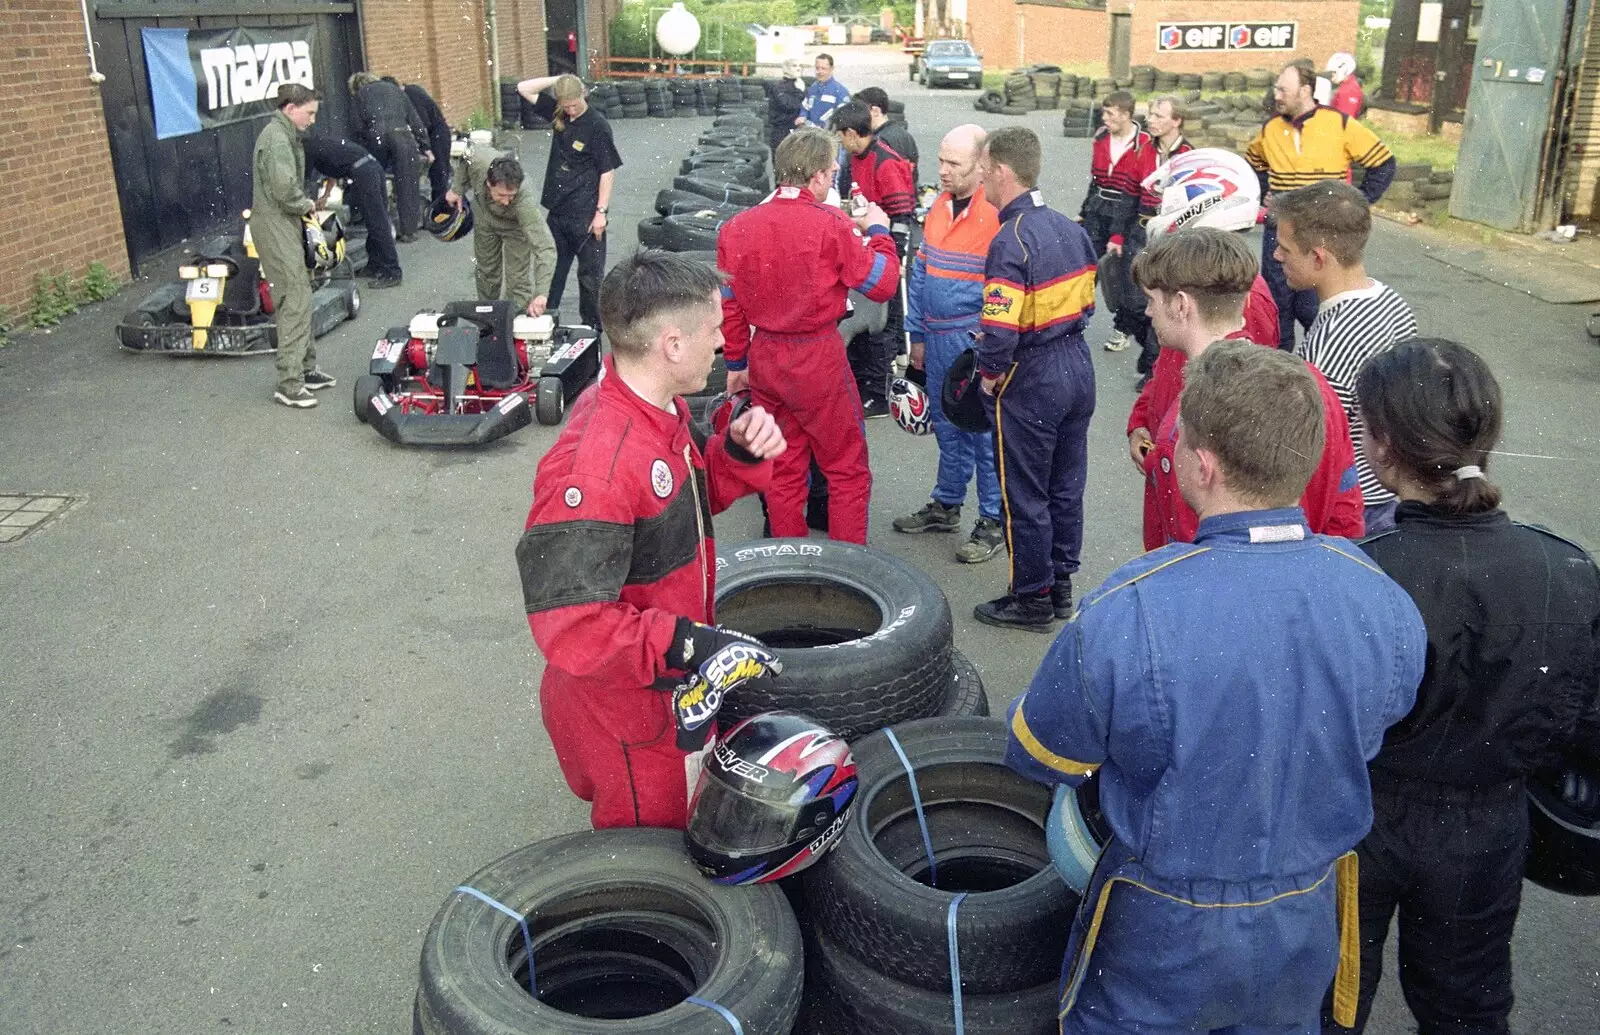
(1166, 82)
(1068, 86)
(1259, 79)
(1103, 87)
(510, 105)
(685, 98)
(1081, 118)
(657, 98)
(1045, 88)
(1124, 82)
(1189, 81)
(1211, 82)
(753, 88)
(631, 93)
(1235, 82)
(1144, 78)
(604, 96)
(877, 913)
(1020, 98)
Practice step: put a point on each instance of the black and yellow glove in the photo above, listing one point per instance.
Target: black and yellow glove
(714, 661)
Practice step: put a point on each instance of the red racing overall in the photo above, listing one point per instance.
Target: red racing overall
(618, 547)
(790, 265)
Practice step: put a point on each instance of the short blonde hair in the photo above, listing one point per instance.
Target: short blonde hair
(802, 154)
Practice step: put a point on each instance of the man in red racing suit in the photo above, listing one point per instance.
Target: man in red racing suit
(617, 561)
(790, 264)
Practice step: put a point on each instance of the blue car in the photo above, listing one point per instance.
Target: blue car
(951, 63)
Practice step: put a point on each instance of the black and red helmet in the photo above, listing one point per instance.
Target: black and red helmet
(961, 398)
(772, 799)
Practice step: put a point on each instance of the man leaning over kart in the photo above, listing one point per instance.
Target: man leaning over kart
(617, 560)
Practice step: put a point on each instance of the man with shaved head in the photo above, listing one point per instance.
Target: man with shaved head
(944, 300)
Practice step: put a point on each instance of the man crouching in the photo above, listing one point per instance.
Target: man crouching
(617, 560)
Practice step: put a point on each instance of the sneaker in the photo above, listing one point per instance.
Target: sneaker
(874, 406)
(316, 380)
(1117, 342)
(1031, 613)
(387, 281)
(935, 517)
(988, 539)
(1061, 598)
(300, 399)
(404, 238)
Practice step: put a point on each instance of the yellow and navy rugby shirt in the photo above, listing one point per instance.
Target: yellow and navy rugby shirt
(1038, 282)
(1319, 145)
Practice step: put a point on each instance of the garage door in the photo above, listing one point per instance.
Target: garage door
(185, 186)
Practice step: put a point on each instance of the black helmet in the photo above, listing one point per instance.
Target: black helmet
(961, 396)
(771, 800)
(447, 222)
(1564, 829)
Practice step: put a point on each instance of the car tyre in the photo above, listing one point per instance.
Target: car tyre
(550, 401)
(966, 695)
(864, 636)
(987, 826)
(622, 922)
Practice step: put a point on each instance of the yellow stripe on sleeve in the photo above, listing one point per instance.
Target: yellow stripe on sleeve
(1042, 754)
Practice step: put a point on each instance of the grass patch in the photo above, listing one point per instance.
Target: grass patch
(1409, 149)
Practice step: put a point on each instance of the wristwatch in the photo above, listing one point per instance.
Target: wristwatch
(601, 209)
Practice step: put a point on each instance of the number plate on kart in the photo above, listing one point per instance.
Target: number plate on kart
(955, 75)
(203, 289)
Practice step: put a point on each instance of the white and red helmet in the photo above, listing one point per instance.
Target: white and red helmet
(1209, 186)
(910, 406)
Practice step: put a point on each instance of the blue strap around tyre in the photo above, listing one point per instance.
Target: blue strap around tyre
(727, 1014)
(916, 799)
(527, 938)
(955, 961)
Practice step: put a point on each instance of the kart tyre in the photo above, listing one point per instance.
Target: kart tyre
(624, 929)
(864, 636)
(130, 333)
(965, 695)
(367, 387)
(1012, 109)
(719, 191)
(987, 827)
(550, 401)
(354, 300)
(851, 998)
(1564, 831)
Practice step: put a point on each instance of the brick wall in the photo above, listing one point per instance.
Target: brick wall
(1325, 26)
(1583, 146)
(600, 14)
(61, 210)
(444, 45)
(1052, 35)
(1060, 35)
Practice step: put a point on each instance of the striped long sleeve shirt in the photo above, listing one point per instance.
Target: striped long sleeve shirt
(1349, 329)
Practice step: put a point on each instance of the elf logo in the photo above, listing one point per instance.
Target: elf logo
(1171, 37)
(1239, 37)
(253, 72)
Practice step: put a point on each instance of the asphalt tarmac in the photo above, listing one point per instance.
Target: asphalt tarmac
(268, 688)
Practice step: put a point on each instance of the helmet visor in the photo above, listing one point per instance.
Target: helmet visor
(725, 820)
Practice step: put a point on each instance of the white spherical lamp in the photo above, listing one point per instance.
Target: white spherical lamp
(678, 31)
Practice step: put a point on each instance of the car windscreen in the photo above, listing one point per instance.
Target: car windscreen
(949, 50)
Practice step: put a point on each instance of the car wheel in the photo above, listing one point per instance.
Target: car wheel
(846, 995)
(624, 930)
(367, 388)
(874, 893)
(550, 401)
(864, 636)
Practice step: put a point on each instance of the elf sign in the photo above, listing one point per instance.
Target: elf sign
(1180, 36)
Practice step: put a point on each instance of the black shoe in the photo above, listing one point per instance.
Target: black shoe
(1061, 598)
(404, 238)
(315, 379)
(1032, 613)
(385, 281)
(874, 406)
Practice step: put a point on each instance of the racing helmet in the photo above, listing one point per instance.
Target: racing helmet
(448, 223)
(324, 240)
(1341, 66)
(772, 799)
(1564, 827)
(960, 395)
(1210, 186)
(911, 407)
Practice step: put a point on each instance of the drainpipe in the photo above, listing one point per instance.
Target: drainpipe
(491, 20)
(95, 75)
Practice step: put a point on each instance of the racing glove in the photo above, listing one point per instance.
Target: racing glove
(714, 661)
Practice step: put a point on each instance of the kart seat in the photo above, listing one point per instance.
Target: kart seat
(497, 353)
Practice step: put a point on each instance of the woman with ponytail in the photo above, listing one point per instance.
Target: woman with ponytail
(1513, 619)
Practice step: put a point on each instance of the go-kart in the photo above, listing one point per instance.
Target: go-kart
(472, 373)
(221, 306)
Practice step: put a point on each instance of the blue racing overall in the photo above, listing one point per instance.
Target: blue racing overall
(1230, 692)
